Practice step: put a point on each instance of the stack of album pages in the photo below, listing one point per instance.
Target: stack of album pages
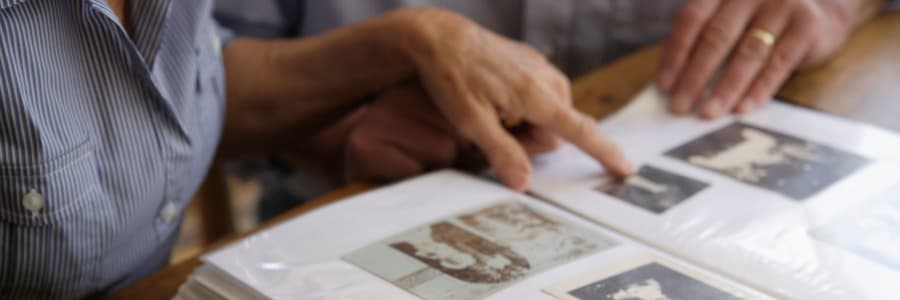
(783, 203)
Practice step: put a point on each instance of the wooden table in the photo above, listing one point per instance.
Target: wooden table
(862, 83)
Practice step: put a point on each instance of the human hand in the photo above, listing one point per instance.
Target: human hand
(757, 44)
(402, 134)
(477, 78)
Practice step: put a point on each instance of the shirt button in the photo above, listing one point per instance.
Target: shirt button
(168, 213)
(33, 202)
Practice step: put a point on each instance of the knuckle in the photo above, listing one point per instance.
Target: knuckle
(584, 126)
(556, 85)
(359, 143)
(556, 75)
(754, 49)
(675, 51)
(360, 151)
(804, 16)
(801, 5)
(782, 7)
(806, 13)
(724, 97)
(532, 53)
(561, 83)
(691, 82)
(715, 35)
(782, 60)
(529, 83)
(808, 30)
(692, 11)
(532, 89)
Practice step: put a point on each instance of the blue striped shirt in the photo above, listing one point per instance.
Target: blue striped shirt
(104, 138)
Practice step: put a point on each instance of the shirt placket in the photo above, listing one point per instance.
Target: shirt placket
(149, 26)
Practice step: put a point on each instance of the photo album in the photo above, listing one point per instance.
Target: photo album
(782, 203)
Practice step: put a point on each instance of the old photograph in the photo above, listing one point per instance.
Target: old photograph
(652, 188)
(472, 255)
(643, 278)
(784, 164)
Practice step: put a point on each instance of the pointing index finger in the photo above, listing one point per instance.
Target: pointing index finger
(582, 131)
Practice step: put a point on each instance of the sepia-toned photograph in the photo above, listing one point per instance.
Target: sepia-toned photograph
(475, 254)
(651, 188)
(643, 278)
(787, 165)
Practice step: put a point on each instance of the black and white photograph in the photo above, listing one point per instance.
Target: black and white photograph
(784, 164)
(639, 279)
(472, 255)
(651, 188)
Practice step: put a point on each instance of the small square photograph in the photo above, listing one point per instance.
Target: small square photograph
(643, 278)
(871, 231)
(652, 188)
(784, 164)
(472, 255)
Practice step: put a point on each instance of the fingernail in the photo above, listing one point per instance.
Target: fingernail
(665, 80)
(713, 108)
(681, 104)
(628, 168)
(518, 178)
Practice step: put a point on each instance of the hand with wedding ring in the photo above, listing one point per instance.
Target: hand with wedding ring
(728, 56)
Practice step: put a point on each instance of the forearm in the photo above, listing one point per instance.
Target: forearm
(283, 91)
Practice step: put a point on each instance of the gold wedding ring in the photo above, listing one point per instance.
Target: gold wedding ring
(764, 36)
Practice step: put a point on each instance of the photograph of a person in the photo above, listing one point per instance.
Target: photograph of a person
(650, 282)
(781, 163)
(651, 188)
(643, 277)
(464, 255)
(136, 135)
(475, 254)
